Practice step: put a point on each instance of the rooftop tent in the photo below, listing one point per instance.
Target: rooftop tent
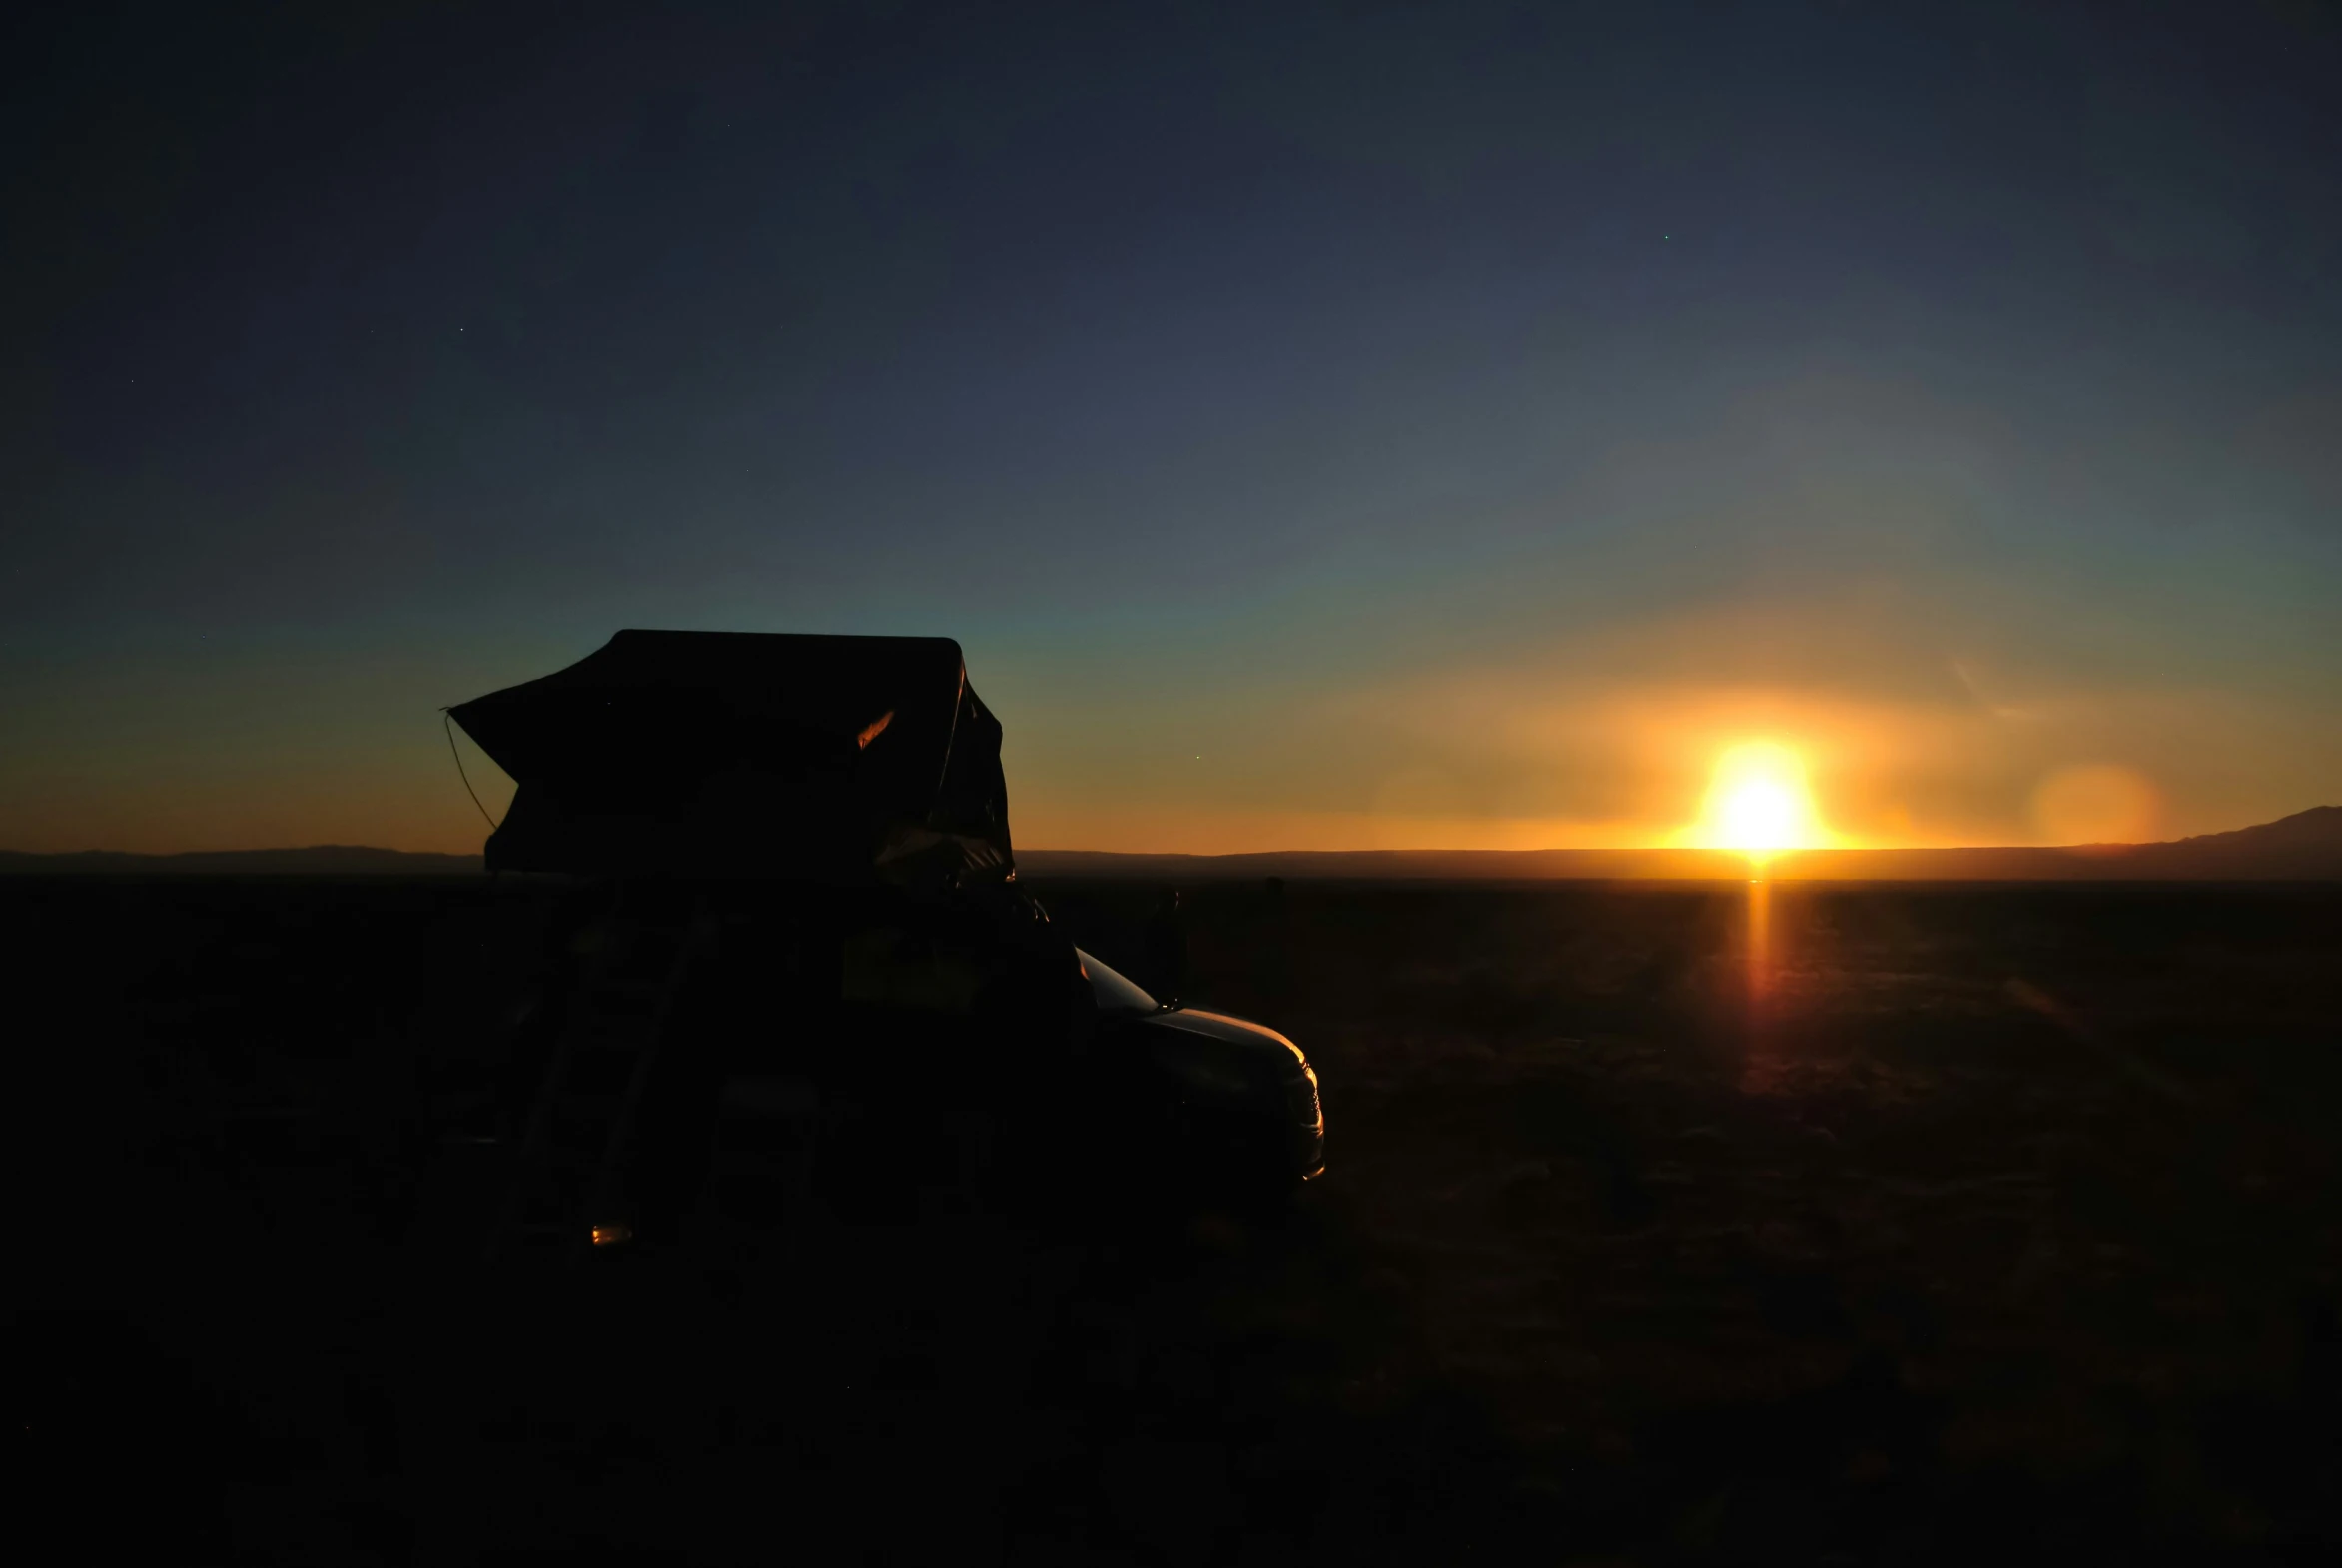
(693, 753)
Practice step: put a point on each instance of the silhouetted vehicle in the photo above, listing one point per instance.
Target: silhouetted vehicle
(793, 971)
(1218, 1099)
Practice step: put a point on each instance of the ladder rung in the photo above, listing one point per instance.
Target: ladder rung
(776, 1152)
(548, 1201)
(581, 1153)
(558, 1162)
(609, 1044)
(621, 1009)
(577, 1101)
(606, 1021)
(764, 1137)
(627, 1009)
(629, 993)
(606, 1033)
(601, 1072)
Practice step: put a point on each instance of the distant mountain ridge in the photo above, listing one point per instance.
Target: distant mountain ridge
(2320, 827)
(320, 860)
(2306, 846)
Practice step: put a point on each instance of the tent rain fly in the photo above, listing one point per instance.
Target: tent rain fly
(743, 754)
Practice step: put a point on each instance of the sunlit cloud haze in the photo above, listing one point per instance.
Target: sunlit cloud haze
(1452, 428)
(1607, 738)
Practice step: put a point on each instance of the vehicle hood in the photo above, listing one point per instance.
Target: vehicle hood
(1254, 1042)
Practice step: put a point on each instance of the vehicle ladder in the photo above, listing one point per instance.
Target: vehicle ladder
(570, 1189)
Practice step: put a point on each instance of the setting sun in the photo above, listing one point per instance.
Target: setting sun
(1758, 802)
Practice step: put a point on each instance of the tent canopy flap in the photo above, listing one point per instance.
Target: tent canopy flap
(695, 753)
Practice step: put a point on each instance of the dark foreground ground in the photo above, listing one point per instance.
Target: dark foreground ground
(1953, 1223)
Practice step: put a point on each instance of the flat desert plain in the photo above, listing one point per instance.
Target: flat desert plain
(1661, 1224)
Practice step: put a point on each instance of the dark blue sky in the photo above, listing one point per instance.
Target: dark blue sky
(1359, 423)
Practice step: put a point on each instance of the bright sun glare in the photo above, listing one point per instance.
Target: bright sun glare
(1758, 802)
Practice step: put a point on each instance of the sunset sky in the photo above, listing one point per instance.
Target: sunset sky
(1369, 425)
